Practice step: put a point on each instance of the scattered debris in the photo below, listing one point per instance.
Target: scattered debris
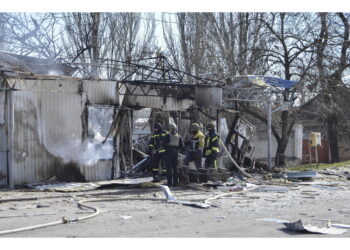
(302, 175)
(341, 226)
(299, 226)
(271, 189)
(236, 188)
(280, 221)
(344, 174)
(25, 215)
(171, 199)
(66, 187)
(125, 217)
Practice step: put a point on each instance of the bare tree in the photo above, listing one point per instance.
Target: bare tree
(105, 38)
(36, 34)
(333, 55)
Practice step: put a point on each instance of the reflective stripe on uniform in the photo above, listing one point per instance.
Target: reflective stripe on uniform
(214, 139)
(216, 149)
(208, 152)
(155, 169)
(161, 151)
(215, 164)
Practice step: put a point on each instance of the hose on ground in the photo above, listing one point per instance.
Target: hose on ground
(229, 194)
(80, 205)
(63, 221)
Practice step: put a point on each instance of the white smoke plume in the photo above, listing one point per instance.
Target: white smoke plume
(87, 153)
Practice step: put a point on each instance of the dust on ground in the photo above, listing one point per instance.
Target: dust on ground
(146, 213)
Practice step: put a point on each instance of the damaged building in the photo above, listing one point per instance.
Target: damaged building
(64, 128)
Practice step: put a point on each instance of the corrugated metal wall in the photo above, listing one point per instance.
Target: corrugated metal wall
(208, 97)
(47, 122)
(101, 92)
(3, 140)
(164, 103)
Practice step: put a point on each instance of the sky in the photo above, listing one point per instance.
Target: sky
(174, 6)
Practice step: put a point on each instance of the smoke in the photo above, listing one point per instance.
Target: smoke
(55, 73)
(88, 153)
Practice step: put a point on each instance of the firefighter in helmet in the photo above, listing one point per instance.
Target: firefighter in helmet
(157, 150)
(172, 144)
(211, 147)
(195, 145)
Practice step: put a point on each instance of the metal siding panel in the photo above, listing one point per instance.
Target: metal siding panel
(208, 97)
(2, 106)
(45, 122)
(3, 168)
(158, 102)
(3, 139)
(53, 85)
(101, 92)
(42, 122)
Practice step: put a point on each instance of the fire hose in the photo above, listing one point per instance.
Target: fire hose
(63, 221)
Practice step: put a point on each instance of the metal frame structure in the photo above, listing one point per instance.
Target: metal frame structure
(156, 76)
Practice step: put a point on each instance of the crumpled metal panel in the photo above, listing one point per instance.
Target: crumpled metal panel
(67, 187)
(299, 226)
(301, 175)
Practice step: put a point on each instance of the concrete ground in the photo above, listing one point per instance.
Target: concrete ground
(145, 213)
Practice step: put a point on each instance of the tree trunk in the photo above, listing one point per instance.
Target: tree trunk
(332, 133)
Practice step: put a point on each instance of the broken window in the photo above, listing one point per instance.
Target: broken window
(100, 119)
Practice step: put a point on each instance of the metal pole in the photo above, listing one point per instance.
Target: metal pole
(269, 133)
(11, 145)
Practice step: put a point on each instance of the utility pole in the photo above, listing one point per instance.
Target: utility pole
(269, 111)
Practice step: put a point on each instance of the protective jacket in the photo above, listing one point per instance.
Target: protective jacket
(211, 146)
(157, 140)
(197, 142)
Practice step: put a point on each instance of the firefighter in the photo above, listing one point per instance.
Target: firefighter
(172, 144)
(196, 145)
(211, 147)
(156, 150)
